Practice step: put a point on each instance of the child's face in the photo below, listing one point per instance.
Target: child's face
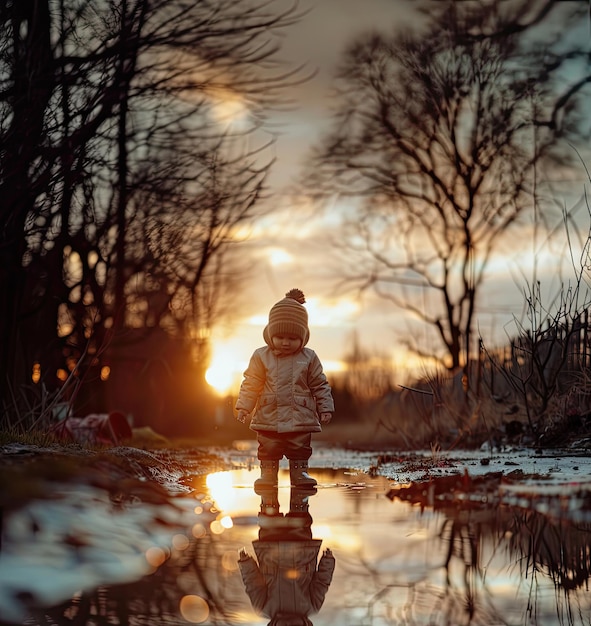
(286, 344)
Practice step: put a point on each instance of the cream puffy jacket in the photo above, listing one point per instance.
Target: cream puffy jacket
(286, 578)
(288, 392)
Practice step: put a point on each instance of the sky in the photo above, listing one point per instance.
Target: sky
(289, 247)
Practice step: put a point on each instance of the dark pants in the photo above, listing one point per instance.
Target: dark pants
(284, 529)
(274, 446)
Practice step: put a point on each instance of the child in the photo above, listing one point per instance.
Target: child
(285, 386)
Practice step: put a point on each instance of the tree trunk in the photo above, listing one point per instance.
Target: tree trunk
(32, 82)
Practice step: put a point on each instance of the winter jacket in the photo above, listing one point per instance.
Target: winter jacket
(286, 580)
(287, 391)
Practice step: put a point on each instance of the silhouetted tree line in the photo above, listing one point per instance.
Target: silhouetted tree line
(125, 168)
(448, 143)
(446, 139)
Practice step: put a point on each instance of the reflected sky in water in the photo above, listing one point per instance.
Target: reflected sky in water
(399, 561)
(456, 550)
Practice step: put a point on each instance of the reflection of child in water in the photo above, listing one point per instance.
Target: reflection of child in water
(286, 393)
(288, 583)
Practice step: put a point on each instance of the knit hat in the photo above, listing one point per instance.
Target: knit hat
(288, 317)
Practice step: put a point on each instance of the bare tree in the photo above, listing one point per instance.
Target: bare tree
(120, 179)
(435, 141)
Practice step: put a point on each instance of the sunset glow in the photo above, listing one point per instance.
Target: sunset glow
(278, 256)
(320, 313)
(221, 488)
(229, 108)
(225, 371)
(230, 355)
(229, 361)
(331, 312)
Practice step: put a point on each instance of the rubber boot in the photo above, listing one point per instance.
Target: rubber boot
(299, 518)
(298, 474)
(269, 501)
(269, 471)
(298, 499)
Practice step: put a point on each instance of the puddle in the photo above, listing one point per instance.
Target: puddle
(405, 554)
(402, 561)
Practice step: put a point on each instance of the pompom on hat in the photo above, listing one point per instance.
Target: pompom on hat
(288, 317)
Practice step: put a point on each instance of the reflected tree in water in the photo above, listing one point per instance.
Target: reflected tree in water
(557, 549)
(548, 546)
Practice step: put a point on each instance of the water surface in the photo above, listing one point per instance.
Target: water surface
(452, 550)
(405, 555)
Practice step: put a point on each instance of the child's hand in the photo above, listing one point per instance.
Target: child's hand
(325, 418)
(241, 415)
(243, 555)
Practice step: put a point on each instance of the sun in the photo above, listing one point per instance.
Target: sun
(218, 377)
(225, 370)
